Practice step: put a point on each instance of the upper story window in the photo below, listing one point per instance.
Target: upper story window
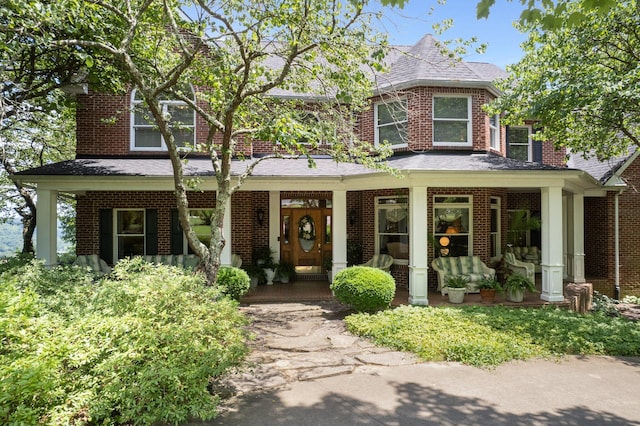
(519, 143)
(391, 123)
(145, 135)
(452, 121)
(494, 131)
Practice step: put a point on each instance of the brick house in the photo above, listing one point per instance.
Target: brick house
(463, 177)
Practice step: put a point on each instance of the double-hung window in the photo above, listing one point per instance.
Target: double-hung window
(145, 135)
(130, 233)
(494, 131)
(452, 121)
(519, 143)
(392, 228)
(391, 123)
(452, 218)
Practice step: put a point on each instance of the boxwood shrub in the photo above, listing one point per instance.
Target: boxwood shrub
(140, 346)
(233, 282)
(363, 288)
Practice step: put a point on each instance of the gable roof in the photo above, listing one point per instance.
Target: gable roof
(603, 170)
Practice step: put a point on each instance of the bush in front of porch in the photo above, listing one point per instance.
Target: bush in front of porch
(364, 288)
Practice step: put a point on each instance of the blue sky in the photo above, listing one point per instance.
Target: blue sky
(408, 25)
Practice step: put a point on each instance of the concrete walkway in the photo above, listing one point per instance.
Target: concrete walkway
(307, 370)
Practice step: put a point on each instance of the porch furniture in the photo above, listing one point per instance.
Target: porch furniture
(398, 250)
(236, 261)
(470, 267)
(380, 261)
(529, 254)
(94, 262)
(523, 268)
(186, 261)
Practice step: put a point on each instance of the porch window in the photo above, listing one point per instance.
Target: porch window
(391, 123)
(452, 218)
(495, 227)
(200, 221)
(392, 228)
(452, 121)
(519, 143)
(494, 131)
(130, 233)
(145, 135)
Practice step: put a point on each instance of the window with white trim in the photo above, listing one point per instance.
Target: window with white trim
(145, 135)
(495, 227)
(129, 236)
(392, 228)
(519, 146)
(391, 123)
(494, 131)
(452, 121)
(452, 218)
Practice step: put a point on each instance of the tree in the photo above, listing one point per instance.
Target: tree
(235, 54)
(581, 81)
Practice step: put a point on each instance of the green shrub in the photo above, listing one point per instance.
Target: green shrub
(233, 282)
(138, 347)
(364, 288)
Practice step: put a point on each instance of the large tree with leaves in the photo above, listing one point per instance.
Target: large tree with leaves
(240, 55)
(581, 81)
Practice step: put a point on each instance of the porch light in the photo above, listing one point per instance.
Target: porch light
(260, 216)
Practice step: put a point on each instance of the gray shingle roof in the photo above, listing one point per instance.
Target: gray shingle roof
(601, 170)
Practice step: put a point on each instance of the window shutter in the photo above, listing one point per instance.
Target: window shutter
(176, 233)
(536, 149)
(106, 235)
(508, 142)
(151, 231)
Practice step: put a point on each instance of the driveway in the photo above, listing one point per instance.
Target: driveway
(307, 370)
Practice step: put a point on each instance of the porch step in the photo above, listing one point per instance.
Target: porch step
(311, 277)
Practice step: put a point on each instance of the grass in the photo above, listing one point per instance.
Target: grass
(489, 336)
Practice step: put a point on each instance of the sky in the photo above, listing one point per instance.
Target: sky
(410, 24)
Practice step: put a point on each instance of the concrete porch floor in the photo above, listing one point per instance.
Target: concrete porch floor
(309, 291)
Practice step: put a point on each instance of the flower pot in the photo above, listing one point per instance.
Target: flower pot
(456, 295)
(487, 295)
(284, 279)
(270, 275)
(253, 282)
(515, 295)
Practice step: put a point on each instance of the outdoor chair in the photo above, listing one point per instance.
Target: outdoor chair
(519, 267)
(380, 261)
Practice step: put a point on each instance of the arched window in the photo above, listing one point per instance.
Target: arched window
(145, 135)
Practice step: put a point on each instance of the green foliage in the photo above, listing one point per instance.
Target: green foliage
(518, 282)
(139, 347)
(488, 282)
(363, 288)
(456, 281)
(631, 299)
(233, 282)
(483, 336)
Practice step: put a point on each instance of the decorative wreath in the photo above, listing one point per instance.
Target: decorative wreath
(306, 228)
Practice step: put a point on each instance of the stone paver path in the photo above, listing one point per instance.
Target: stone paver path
(300, 341)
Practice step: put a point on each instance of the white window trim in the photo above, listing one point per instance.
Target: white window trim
(378, 207)
(497, 206)
(495, 140)
(469, 121)
(133, 126)
(377, 140)
(529, 141)
(467, 205)
(116, 235)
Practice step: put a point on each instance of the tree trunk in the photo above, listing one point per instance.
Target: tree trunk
(28, 228)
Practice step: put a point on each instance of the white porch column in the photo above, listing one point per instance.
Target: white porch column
(577, 226)
(567, 235)
(47, 226)
(418, 261)
(552, 244)
(339, 233)
(225, 256)
(274, 223)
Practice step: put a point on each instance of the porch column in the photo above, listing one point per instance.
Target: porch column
(552, 244)
(577, 226)
(274, 223)
(225, 256)
(418, 240)
(339, 234)
(47, 226)
(567, 236)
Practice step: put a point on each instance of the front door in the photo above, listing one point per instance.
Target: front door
(304, 238)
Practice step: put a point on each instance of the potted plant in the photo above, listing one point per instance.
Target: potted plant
(515, 286)
(327, 265)
(264, 258)
(286, 272)
(488, 287)
(456, 288)
(256, 274)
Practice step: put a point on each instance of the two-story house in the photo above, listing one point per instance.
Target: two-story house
(463, 175)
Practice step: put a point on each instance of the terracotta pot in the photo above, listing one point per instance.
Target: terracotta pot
(487, 295)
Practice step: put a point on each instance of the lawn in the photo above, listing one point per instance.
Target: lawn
(489, 336)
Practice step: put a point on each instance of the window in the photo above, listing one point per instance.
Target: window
(144, 134)
(200, 221)
(391, 123)
(495, 227)
(392, 228)
(130, 233)
(452, 121)
(519, 143)
(452, 225)
(494, 131)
